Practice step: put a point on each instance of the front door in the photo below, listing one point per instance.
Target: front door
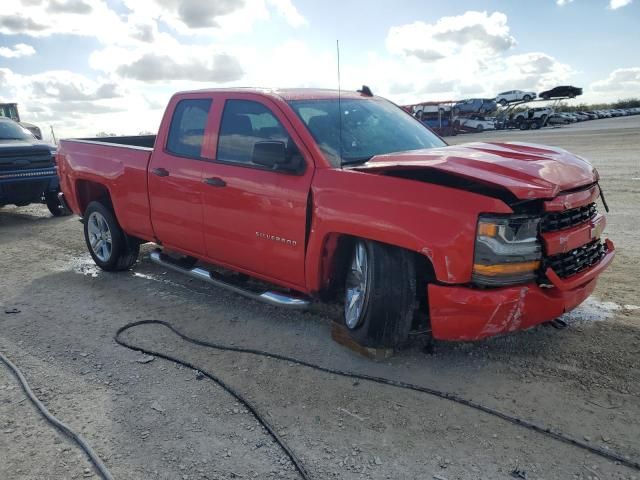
(255, 218)
(175, 176)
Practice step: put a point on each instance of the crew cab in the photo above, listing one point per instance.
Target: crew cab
(27, 169)
(322, 193)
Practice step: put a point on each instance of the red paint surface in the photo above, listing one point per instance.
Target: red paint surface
(563, 241)
(463, 313)
(222, 225)
(572, 200)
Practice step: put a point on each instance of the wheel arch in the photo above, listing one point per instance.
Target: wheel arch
(88, 191)
(333, 264)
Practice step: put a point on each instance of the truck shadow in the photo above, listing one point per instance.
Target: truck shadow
(11, 215)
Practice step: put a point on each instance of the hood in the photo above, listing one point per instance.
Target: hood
(528, 171)
(14, 146)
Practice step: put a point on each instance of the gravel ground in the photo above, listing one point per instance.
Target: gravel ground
(156, 420)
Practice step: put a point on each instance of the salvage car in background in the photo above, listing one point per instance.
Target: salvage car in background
(475, 105)
(511, 96)
(27, 169)
(561, 91)
(476, 123)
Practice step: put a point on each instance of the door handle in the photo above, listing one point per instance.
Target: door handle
(215, 182)
(161, 172)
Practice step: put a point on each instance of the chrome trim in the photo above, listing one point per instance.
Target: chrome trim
(44, 172)
(272, 298)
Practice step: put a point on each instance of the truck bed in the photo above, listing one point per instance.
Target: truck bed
(142, 141)
(117, 163)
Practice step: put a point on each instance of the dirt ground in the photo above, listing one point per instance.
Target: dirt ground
(158, 421)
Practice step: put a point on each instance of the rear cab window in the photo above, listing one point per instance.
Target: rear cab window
(187, 129)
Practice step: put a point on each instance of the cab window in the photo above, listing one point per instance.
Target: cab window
(188, 124)
(246, 123)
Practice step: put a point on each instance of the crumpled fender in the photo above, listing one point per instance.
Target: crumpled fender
(435, 221)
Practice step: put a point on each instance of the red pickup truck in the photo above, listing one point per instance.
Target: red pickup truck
(319, 193)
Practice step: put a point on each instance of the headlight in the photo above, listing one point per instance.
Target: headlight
(507, 250)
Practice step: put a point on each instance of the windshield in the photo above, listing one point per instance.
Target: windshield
(12, 131)
(369, 127)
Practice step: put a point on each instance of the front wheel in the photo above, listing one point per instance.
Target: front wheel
(479, 129)
(380, 295)
(527, 98)
(109, 246)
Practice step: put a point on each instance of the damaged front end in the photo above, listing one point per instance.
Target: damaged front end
(528, 269)
(529, 266)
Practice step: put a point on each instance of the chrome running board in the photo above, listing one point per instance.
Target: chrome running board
(272, 298)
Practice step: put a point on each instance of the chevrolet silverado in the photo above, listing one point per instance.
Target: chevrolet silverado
(321, 193)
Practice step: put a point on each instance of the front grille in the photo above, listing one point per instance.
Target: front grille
(20, 161)
(553, 221)
(581, 258)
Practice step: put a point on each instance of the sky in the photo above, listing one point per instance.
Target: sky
(87, 66)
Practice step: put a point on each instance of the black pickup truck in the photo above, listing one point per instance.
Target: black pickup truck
(27, 169)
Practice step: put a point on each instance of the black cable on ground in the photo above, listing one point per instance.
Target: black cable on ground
(77, 438)
(559, 436)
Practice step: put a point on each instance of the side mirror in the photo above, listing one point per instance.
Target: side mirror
(269, 153)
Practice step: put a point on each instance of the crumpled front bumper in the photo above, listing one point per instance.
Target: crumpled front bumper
(464, 313)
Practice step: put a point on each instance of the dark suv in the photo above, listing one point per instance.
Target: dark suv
(27, 169)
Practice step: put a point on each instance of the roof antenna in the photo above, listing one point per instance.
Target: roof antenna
(339, 104)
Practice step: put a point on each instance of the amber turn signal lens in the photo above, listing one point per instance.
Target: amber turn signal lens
(505, 268)
(487, 229)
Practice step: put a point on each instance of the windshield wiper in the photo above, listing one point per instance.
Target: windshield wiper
(356, 160)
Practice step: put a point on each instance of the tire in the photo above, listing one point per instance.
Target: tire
(112, 249)
(503, 102)
(535, 125)
(527, 98)
(524, 126)
(55, 206)
(479, 129)
(380, 298)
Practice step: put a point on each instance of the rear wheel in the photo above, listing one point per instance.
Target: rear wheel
(503, 102)
(380, 295)
(109, 246)
(527, 98)
(479, 129)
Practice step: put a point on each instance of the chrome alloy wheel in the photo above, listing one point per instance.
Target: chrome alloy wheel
(100, 236)
(357, 286)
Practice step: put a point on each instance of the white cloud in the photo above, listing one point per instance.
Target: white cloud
(17, 51)
(152, 67)
(92, 18)
(562, 3)
(466, 56)
(290, 13)
(473, 34)
(615, 4)
(621, 83)
(198, 17)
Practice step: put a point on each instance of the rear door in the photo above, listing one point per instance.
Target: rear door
(255, 219)
(175, 176)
